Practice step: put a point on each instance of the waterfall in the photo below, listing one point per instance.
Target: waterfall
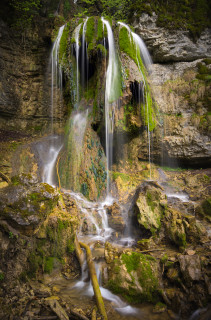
(56, 72)
(77, 47)
(84, 55)
(144, 53)
(112, 93)
(55, 144)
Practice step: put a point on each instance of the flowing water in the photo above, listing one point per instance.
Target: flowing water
(77, 48)
(144, 53)
(84, 62)
(111, 97)
(93, 214)
(55, 143)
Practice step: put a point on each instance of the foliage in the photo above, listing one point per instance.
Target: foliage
(129, 47)
(193, 15)
(1, 276)
(25, 10)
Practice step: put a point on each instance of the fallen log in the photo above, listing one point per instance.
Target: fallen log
(94, 280)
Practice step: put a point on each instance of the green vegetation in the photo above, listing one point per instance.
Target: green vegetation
(100, 30)
(24, 12)
(192, 15)
(129, 47)
(63, 46)
(123, 176)
(1, 276)
(138, 266)
(204, 73)
(48, 266)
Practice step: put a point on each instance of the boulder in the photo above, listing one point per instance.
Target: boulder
(135, 276)
(115, 219)
(190, 267)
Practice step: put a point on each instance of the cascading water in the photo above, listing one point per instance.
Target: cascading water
(139, 43)
(112, 94)
(77, 47)
(55, 144)
(84, 67)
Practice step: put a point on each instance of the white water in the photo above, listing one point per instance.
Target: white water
(49, 167)
(112, 79)
(55, 144)
(84, 54)
(56, 72)
(77, 47)
(146, 58)
(144, 53)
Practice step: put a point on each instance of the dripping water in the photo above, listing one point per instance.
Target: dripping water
(77, 47)
(140, 46)
(111, 96)
(55, 143)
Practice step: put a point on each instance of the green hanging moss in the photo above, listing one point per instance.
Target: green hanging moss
(100, 30)
(90, 30)
(129, 47)
(63, 45)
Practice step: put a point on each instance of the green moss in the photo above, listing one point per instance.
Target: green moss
(102, 49)
(70, 246)
(100, 30)
(63, 46)
(85, 189)
(123, 176)
(206, 206)
(129, 47)
(48, 266)
(90, 30)
(1, 276)
(164, 259)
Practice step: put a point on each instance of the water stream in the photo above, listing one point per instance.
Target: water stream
(93, 214)
(144, 53)
(111, 97)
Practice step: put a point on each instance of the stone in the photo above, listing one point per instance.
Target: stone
(136, 276)
(149, 211)
(115, 219)
(190, 267)
(171, 45)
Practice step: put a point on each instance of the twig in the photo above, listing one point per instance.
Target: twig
(4, 177)
(78, 315)
(150, 250)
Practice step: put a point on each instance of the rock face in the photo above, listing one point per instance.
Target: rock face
(172, 45)
(25, 79)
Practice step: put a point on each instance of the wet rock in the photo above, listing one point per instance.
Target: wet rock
(150, 210)
(171, 45)
(190, 267)
(115, 218)
(25, 205)
(136, 276)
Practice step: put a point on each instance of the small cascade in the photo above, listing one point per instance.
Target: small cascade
(112, 93)
(95, 215)
(142, 49)
(55, 143)
(77, 47)
(56, 73)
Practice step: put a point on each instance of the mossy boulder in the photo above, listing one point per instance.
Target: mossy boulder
(149, 205)
(36, 232)
(204, 209)
(25, 205)
(174, 227)
(181, 229)
(136, 277)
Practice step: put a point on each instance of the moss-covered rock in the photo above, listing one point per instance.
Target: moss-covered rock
(136, 277)
(149, 207)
